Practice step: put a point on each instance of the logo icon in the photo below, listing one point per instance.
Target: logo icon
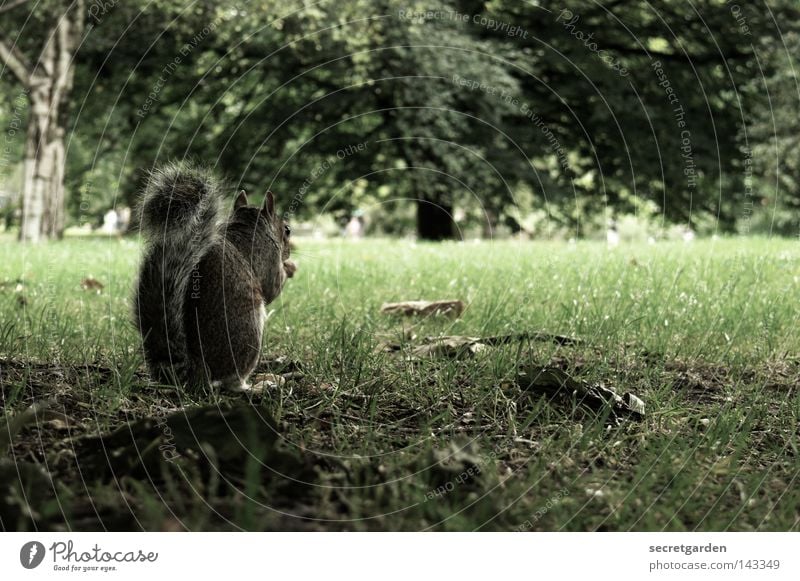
(31, 554)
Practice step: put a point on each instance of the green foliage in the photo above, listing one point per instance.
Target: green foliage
(771, 146)
(598, 108)
(624, 130)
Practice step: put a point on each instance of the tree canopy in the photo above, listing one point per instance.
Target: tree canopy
(485, 109)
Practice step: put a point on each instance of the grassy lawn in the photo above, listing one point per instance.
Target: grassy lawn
(365, 438)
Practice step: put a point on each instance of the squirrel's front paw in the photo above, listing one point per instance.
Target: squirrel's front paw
(290, 267)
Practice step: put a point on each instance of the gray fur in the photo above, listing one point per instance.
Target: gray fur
(202, 284)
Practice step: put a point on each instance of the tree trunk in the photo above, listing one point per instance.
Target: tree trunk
(32, 189)
(43, 185)
(435, 220)
(48, 85)
(51, 172)
(434, 216)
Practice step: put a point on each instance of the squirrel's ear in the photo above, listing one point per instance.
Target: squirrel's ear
(269, 203)
(241, 200)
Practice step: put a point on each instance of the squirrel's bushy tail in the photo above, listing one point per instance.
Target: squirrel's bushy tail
(179, 214)
(180, 199)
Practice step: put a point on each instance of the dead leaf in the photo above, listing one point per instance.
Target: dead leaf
(450, 308)
(535, 336)
(57, 420)
(91, 283)
(391, 342)
(634, 402)
(558, 383)
(451, 346)
(458, 345)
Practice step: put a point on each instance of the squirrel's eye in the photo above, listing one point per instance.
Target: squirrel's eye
(287, 230)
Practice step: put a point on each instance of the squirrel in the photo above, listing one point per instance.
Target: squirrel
(204, 282)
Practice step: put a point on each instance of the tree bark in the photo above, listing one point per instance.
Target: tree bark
(48, 84)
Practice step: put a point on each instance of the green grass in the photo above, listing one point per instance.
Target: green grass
(706, 334)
